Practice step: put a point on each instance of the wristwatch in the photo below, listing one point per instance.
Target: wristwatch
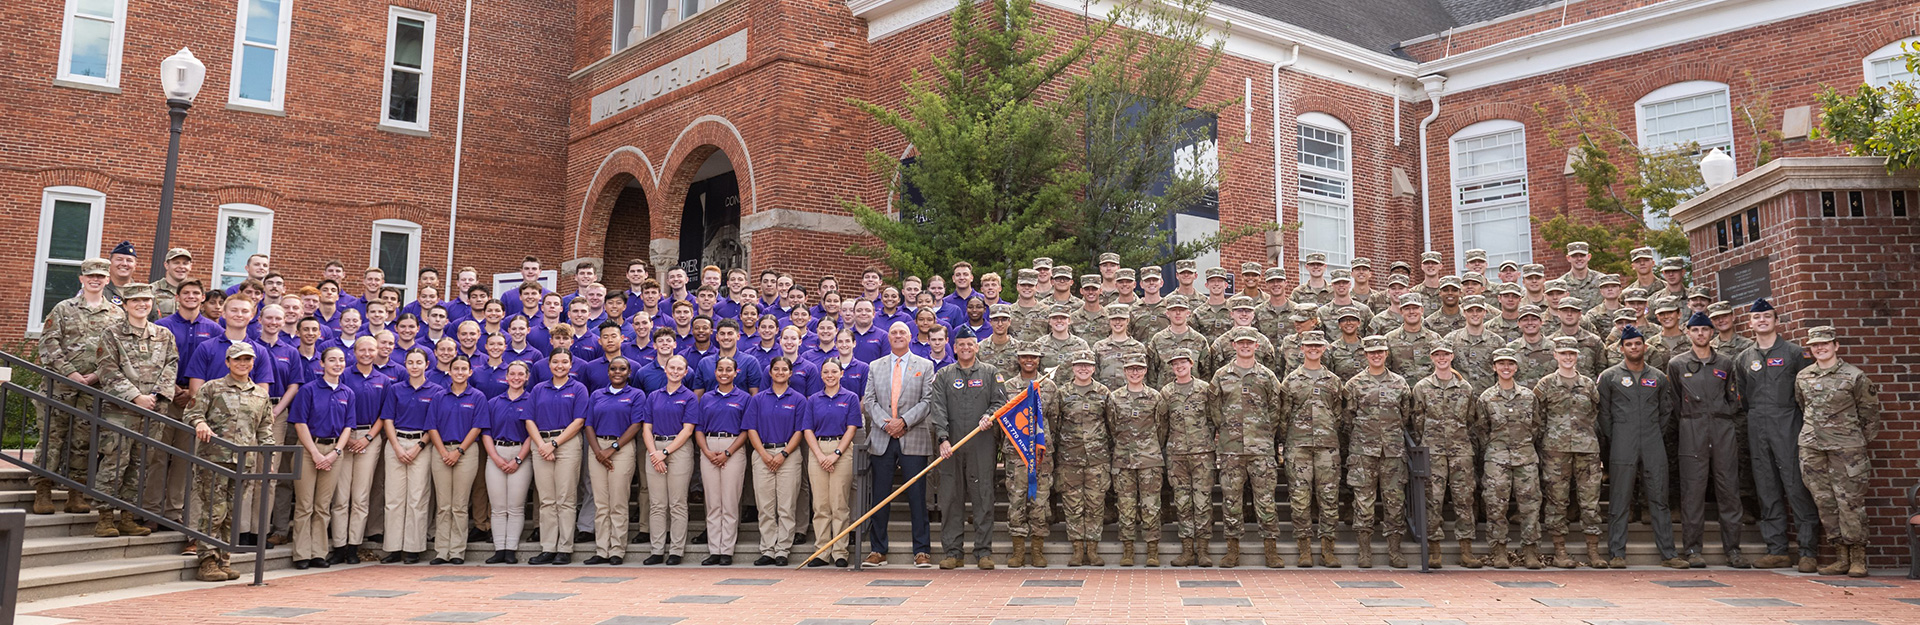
(783, 453)
(837, 451)
(615, 445)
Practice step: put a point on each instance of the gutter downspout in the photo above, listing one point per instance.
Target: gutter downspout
(459, 137)
(1432, 83)
(1279, 205)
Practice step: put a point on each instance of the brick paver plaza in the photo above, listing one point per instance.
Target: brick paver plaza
(1054, 596)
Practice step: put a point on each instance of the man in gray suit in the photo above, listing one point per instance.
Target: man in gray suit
(899, 438)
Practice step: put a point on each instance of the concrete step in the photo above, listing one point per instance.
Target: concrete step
(64, 580)
(39, 552)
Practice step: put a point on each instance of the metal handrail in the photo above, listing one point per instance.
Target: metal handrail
(268, 456)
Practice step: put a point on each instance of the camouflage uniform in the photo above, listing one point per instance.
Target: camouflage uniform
(240, 413)
(1572, 448)
(1248, 416)
(1028, 324)
(1162, 346)
(1377, 411)
(1535, 359)
(1842, 408)
(1111, 355)
(1272, 320)
(1209, 318)
(1442, 418)
(1731, 348)
(164, 294)
(1311, 409)
(1442, 322)
(1089, 325)
(1028, 517)
(1222, 347)
(1587, 288)
(1306, 293)
(1508, 422)
(1055, 352)
(1473, 356)
(70, 343)
(1000, 355)
(133, 362)
(1330, 314)
(1189, 414)
(1084, 461)
(1148, 319)
(1138, 426)
(1409, 353)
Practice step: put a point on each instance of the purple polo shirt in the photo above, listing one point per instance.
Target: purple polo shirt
(453, 416)
(870, 345)
(723, 413)
(829, 415)
(671, 411)
(510, 300)
(327, 409)
(368, 391)
(749, 372)
(507, 417)
(491, 380)
(554, 408)
(209, 360)
(615, 409)
(284, 353)
(776, 416)
(853, 377)
(188, 335)
(806, 377)
(409, 407)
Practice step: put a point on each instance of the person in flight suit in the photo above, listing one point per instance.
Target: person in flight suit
(1708, 387)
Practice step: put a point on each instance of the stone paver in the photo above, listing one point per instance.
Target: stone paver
(746, 581)
(1232, 602)
(1395, 602)
(1209, 583)
(642, 620)
(1854, 583)
(1368, 583)
(1690, 583)
(901, 583)
(1526, 584)
(535, 596)
(375, 594)
(1043, 601)
(1756, 602)
(273, 612)
(592, 579)
(1054, 583)
(1574, 602)
(708, 599)
(872, 601)
(456, 617)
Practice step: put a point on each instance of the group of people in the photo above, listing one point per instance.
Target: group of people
(445, 418)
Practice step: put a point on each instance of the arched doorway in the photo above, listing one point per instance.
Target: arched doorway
(629, 228)
(710, 216)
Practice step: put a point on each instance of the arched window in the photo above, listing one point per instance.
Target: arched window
(1696, 111)
(1884, 66)
(1326, 188)
(70, 220)
(1490, 209)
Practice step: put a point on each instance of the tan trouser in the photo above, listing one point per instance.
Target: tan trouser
(408, 492)
(452, 486)
(558, 481)
(353, 491)
(313, 495)
(723, 485)
(775, 494)
(479, 504)
(166, 488)
(667, 501)
(611, 488)
(832, 492)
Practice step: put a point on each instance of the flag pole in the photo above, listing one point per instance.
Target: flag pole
(883, 503)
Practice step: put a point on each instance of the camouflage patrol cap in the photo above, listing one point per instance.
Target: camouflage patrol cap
(1082, 357)
(1027, 276)
(1125, 273)
(1715, 309)
(1029, 349)
(1626, 314)
(1303, 313)
(178, 252)
(1607, 279)
(1441, 345)
(1449, 281)
(1150, 273)
(1473, 301)
(1573, 303)
(1251, 268)
(1179, 353)
(1509, 288)
(1473, 276)
(1532, 269)
(1061, 310)
(1399, 280)
(1314, 258)
(1639, 253)
(1001, 311)
(1275, 273)
(94, 267)
(1700, 292)
(1530, 310)
(1184, 266)
(1821, 334)
(1313, 337)
(1109, 257)
(1119, 311)
(1175, 300)
(1340, 275)
(1673, 263)
(1429, 257)
(1576, 247)
(1400, 265)
(1666, 304)
(1043, 261)
(1216, 272)
(1555, 284)
(1241, 302)
(1635, 294)
(1374, 343)
(1134, 360)
(1413, 299)
(1509, 265)
(1249, 337)
(1090, 280)
(1505, 353)
(1346, 312)
(136, 290)
(1476, 254)
(1361, 261)
(239, 350)
(1566, 344)
(1062, 271)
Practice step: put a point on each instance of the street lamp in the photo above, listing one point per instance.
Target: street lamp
(180, 77)
(1716, 168)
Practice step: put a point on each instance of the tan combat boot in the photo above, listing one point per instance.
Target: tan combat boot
(1530, 555)
(1079, 557)
(1395, 557)
(1467, 559)
(1840, 565)
(1595, 557)
(1326, 553)
(1036, 552)
(129, 525)
(1093, 554)
(43, 499)
(1857, 561)
(1126, 553)
(210, 570)
(1560, 557)
(1365, 559)
(104, 528)
(1153, 553)
(1232, 557)
(1019, 557)
(1497, 556)
(77, 503)
(1186, 553)
(1433, 554)
(226, 566)
(1200, 557)
(1271, 551)
(1809, 564)
(1304, 557)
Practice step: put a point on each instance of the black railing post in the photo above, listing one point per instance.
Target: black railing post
(13, 533)
(1419, 471)
(263, 504)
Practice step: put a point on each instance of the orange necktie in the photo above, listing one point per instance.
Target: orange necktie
(896, 386)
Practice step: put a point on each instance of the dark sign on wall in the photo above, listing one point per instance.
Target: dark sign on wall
(1745, 282)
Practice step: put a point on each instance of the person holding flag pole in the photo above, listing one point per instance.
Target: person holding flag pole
(959, 391)
(1029, 470)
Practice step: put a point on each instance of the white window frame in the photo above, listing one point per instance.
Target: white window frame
(656, 24)
(412, 230)
(1343, 177)
(262, 213)
(635, 13)
(1679, 91)
(277, 103)
(1889, 52)
(114, 45)
(97, 202)
(394, 14)
(1524, 200)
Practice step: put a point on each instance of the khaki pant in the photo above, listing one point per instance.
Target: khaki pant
(408, 492)
(557, 481)
(611, 487)
(313, 495)
(479, 504)
(353, 491)
(281, 517)
(832, 501)
(723, 486)
(507, 494)
(166, 487)
(452, 485)
(775, 494)
(667, 501)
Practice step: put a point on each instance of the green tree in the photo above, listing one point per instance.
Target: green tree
(1877, 121)
(995, 163)
(1148, 134)
(1633, 202)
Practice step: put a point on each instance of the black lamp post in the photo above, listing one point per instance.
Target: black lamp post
(181, 76)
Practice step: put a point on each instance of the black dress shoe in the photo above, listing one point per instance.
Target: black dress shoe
(457, 561)
(436, 562)
(711, 560)
(764, 561)
(595, 560)
(533, 537)
(653, 559)
(374, 538)
(563, 558)
(513, 557)
(643, 537)
(673, 560)
(249, 539)
(301, 565)
(726, 560)
(779, 560)
(583, 537)
(543, 558)
(840, 562)
(701, 539)
(800, 538)
(334, 556)
(477, 535)
(817, 563)
(319, 563)
(412, 557)
(499, 556)
(616, 561)
(392, 558)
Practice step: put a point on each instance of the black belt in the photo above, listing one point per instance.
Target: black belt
(326, 441)
(608, 438)
(721, 434)
(550, 433)
(662, 438)
(829, 438)
(412, 436)
(501, 443)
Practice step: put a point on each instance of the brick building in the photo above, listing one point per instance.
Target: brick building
(448, 133)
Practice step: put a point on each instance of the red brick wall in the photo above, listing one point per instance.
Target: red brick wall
(1860, 275)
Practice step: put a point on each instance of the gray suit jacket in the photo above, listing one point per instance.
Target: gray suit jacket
(917, 374)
